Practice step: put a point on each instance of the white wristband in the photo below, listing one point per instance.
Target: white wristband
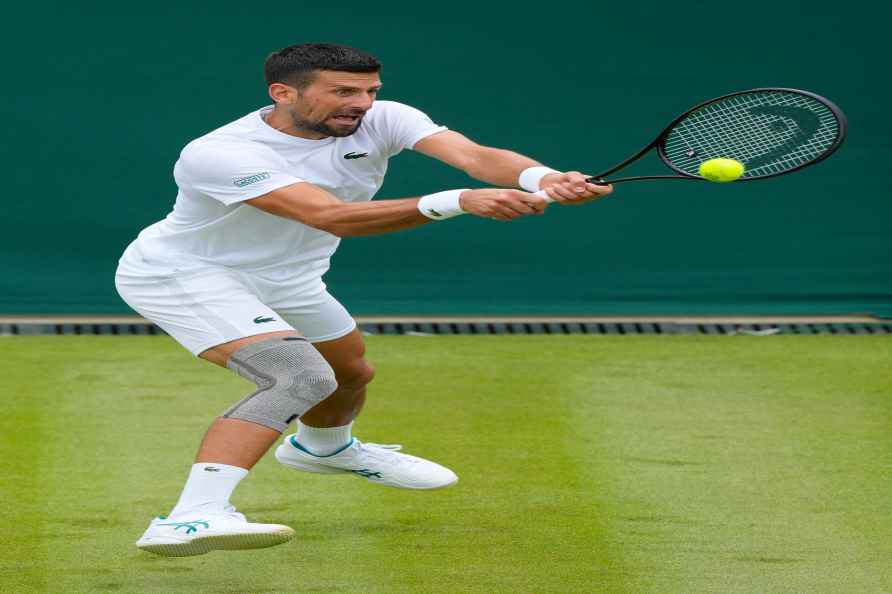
(531, 176)
(442, 205)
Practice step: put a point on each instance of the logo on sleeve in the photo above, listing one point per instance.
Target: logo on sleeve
(352, 155)
(241, 182)
(263, 320)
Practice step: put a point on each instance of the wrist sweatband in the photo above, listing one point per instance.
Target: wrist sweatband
(531, 176)
(442, 205)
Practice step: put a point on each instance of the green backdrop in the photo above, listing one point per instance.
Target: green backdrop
(101, 98)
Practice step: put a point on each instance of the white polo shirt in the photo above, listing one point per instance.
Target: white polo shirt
(248, 158)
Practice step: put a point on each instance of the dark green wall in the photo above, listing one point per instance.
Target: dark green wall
(100, 100)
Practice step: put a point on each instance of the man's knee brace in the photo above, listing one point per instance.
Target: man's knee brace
(291, 377)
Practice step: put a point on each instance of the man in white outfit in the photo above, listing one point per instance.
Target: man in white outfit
(234, 274)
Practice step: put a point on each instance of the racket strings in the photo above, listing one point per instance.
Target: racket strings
(770, 132)
(730, 127)
(735, 131)
(814, 143)
(740, 129)
(746, 133)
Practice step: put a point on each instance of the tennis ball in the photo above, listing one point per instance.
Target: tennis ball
(721, 170)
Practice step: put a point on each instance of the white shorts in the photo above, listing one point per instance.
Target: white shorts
(214, 305)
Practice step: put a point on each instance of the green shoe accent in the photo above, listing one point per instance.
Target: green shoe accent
(189, 527)
(293, 441)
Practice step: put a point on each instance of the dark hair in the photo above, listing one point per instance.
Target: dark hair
(296, 65)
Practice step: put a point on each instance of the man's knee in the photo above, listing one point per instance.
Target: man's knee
(291, 376)
(355, 376)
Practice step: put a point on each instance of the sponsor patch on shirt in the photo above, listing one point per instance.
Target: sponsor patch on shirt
(241, 182)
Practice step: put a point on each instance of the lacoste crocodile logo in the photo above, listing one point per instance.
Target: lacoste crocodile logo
(352, 155)
(263, 320)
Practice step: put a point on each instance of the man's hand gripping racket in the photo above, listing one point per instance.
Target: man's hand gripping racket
(769, 131)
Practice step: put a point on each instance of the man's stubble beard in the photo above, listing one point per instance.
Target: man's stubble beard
(320, 127)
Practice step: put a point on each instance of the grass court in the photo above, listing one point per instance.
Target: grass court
(663, 464)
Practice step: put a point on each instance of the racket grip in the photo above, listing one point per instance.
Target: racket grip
(591, 180)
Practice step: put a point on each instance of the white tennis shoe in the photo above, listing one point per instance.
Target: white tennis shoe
(377, 463)
(198, 533)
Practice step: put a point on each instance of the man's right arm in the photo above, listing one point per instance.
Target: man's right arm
(315, 207)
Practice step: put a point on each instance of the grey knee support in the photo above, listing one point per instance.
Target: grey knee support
(291, 377)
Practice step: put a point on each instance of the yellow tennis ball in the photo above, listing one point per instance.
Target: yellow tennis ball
(721, 170)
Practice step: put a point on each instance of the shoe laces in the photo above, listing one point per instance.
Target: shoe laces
(229, 510)
(387, 453)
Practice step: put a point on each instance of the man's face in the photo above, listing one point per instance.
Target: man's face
(334, 103)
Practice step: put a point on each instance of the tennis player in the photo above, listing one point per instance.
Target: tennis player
(234, 274)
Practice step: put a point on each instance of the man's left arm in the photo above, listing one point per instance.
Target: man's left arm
(503, 168)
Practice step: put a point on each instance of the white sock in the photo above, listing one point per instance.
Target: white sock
(209, 487)
(323, 441)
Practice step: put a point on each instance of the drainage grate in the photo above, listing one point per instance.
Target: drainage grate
(426, 327)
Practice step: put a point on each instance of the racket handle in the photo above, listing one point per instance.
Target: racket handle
(591, 180)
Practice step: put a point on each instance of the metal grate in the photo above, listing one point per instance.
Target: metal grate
(426, 328)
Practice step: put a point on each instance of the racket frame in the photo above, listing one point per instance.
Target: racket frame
(660, 141)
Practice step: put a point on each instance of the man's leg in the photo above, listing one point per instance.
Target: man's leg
(238, 439)
(216, 306)
(346, 355)
(327, 427)
(324, 443)
(291, 377)
(242, 443)
(233, 441)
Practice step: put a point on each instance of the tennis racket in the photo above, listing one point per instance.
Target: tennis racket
(771, 131)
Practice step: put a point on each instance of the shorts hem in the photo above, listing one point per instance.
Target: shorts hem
(204, 347)
(333, 335)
